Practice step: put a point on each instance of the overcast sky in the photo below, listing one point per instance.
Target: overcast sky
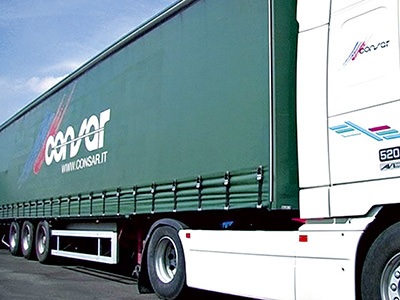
(42, 41)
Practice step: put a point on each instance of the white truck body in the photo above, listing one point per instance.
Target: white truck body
(348, 73)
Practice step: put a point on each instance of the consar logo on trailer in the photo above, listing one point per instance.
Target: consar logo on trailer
(91, 131)
(52, 145)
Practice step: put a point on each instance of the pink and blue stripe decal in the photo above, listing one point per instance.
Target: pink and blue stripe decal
(49, 127)
(353, 55)
(379, 133)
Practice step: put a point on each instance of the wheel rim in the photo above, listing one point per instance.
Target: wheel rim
(41, 245)
(166, 259)
(390, 280)
(13, 237)
(26, 237)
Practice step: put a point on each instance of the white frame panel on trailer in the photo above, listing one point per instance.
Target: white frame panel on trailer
(112, 259)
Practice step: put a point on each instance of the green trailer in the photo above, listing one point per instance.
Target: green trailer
(179, 115)
(189, 117)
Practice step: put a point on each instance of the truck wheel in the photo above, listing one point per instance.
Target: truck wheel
(380, 278)
(14, 237)
(166, 263)
(27, 239)
(42, 242)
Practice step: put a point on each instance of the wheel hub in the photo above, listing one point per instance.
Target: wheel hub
(390, 280)
(41, 242)
(13, 239)
(166, 259)
(26, 238)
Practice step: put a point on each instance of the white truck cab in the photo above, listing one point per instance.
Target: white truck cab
(348, 134)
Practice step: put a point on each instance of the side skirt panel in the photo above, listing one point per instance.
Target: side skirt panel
(301, 264)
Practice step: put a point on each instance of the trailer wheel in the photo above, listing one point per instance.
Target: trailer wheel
(27, 239)
(166, 263)
(14, 238)
(380, 278)
(42, 242)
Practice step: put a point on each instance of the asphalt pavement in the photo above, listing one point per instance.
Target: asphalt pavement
(22, 279)
(65, 280)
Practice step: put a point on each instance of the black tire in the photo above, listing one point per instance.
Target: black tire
(166, 264)
(14, 238)
(42, 242)
(380, 275)
(27, 239)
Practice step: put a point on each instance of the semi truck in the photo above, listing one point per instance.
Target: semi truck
(248, 147)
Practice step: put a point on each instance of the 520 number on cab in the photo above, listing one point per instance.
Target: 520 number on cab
(389, 154)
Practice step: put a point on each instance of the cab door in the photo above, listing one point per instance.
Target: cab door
(363, 97)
